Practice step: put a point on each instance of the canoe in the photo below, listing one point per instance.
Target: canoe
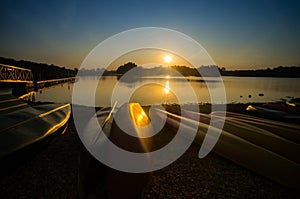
(288, 107)
(273, 114)
(295, 102)
(9, 103)
(91, 183)
(261, 135)
(245, 148)
(97, 180)
(288, 131)
(23, 127)
(92, 135)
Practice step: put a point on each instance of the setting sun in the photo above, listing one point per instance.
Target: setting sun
(168, 58)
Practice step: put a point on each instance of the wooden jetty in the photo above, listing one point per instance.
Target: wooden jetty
(52, 82)
(22, 79)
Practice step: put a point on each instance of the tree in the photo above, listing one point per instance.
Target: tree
(126, 67)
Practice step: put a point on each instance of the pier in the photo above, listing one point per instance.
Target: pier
(12, 74)
(22, 79)
(52, 82)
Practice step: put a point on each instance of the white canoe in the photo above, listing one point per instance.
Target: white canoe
(263, 135)
(242, 148)
(26, 126)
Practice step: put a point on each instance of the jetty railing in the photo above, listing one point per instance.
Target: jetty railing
(15, 74)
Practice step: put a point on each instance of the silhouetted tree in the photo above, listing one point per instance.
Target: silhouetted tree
(126, 67)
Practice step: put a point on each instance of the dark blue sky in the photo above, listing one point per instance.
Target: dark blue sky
(237, 34)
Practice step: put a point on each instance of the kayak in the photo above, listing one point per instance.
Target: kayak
(91, 183)
(265, 136)
(97, 180)
(252, 147)
(287, 107)
(23, 127)
(9, 103)
(295, 102)
(288, 131)
(274, 114)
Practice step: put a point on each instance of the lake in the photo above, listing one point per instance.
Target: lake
(160, 89)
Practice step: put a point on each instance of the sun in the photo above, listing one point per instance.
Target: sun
(168, 58)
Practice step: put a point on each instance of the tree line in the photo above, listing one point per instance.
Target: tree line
(211, 71)
(280, 71)
(155, 71)
(41, 71)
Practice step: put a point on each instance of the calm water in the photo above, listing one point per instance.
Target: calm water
(158, 90)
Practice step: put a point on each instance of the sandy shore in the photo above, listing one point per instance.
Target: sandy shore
(53, 173)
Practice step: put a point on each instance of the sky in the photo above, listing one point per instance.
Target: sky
(237, 34)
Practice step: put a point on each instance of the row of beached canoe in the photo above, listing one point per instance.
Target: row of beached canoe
(267, 147)
(270, 148)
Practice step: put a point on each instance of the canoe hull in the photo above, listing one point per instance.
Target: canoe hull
(27, 126)
(248, 151)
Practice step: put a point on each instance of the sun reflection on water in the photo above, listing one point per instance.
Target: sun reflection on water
(167, 87)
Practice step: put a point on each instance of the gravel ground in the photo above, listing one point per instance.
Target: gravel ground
(212, 177)
(52, 173)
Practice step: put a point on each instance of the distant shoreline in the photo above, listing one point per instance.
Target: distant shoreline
(116, 75)
(43, 71)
